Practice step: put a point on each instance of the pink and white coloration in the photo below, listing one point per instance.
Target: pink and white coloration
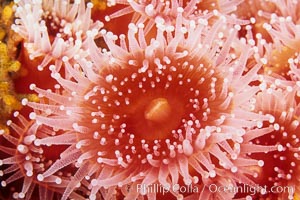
(279, 8)
(152, 12)
(54, 29)
(280, 57)
(277, 35)
(173, 111)
(281, 167)
(25, 160)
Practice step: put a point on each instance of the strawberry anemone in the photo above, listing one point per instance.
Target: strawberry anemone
(274, 31)
(53, 29)
(286, 39)
(280, 173)
(21, 160)
(171, 111)
(281, 57)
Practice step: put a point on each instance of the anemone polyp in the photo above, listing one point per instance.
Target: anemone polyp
(164, 111)
(22, 159)
(277, 40)
(280, 167)
(54, 29)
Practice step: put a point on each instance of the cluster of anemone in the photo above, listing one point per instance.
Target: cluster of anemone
(193, 98)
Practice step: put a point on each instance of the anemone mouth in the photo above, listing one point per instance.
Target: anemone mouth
(155, 118)
(57, 26)
(53, 26)
(278, 61)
